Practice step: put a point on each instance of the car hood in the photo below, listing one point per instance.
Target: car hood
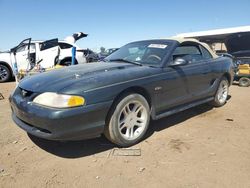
(80, 78)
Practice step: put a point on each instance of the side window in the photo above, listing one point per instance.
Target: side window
(205, 53)
(190, 53)
(22, 48)
(65, 45)
(48, 44)
(25, 47)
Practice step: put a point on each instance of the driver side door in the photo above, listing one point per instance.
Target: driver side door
(183, 84)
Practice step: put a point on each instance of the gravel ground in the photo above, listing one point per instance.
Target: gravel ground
(200, 147)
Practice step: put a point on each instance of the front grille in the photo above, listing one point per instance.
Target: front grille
(25, 93)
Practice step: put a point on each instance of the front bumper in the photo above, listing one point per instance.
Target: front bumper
(59, 124)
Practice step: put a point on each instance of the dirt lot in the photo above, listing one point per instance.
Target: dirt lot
(201, 147)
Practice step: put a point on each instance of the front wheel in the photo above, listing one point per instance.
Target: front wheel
(221, 95)
(128, 120)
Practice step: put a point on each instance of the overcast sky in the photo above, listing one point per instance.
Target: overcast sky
(113, 23)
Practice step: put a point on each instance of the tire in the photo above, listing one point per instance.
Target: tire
(67, 62)
(244, 82)
(128, 120)
(5, 73)
(221, 95)
(90, 60)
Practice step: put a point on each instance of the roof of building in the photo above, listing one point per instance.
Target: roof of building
(217, 35)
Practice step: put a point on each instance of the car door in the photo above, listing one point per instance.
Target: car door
(65, 50)
(172, 89)
(21, 53)
(48, 51)
(201, 81)
(198, 70)
(185, 83)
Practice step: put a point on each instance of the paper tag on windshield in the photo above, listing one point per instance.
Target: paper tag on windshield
(162, 46)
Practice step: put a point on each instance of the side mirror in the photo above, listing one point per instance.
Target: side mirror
(179, 62)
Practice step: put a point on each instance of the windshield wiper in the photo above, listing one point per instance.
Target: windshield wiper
(127, 61)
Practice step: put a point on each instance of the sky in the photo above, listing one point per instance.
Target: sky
(113, 23)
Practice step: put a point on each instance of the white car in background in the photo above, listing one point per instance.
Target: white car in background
(45, 53)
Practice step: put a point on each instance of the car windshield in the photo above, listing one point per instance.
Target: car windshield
(143, 52)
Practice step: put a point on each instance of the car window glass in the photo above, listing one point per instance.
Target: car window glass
(186, 50)
(136, 53)
(48, 44)
(22, 48)
(205, 53)
(190, 53)
(65, 45)
(144, 52)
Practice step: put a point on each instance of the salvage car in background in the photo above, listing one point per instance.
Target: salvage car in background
(46, 53)
(142, 80)
(91, 56)
(106, 53)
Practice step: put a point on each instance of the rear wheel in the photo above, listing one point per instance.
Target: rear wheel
(5, 73)
(244, 82)
(221, 94)
(67, 62)
(128, 121)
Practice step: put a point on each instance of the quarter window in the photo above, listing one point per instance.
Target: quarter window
(65, 45)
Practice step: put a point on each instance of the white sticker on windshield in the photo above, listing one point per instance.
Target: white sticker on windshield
(162, 46)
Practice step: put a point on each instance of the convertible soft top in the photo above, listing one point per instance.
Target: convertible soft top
(182, 40)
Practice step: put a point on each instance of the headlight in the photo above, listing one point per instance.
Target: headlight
(58, 100)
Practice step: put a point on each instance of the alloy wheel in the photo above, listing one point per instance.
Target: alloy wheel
(223, 92)
(132, 120)
(3, 73)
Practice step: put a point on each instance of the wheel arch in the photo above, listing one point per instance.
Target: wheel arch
(134, 89)
(228, 77)
(9, 67)
(139, 90)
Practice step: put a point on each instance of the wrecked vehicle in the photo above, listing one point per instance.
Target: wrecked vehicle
(142, 80)
(239, 47)
(103, 54)
(91, 56)
(45, 53)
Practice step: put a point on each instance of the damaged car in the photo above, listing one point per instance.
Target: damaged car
(141, 81)
(45, 53)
